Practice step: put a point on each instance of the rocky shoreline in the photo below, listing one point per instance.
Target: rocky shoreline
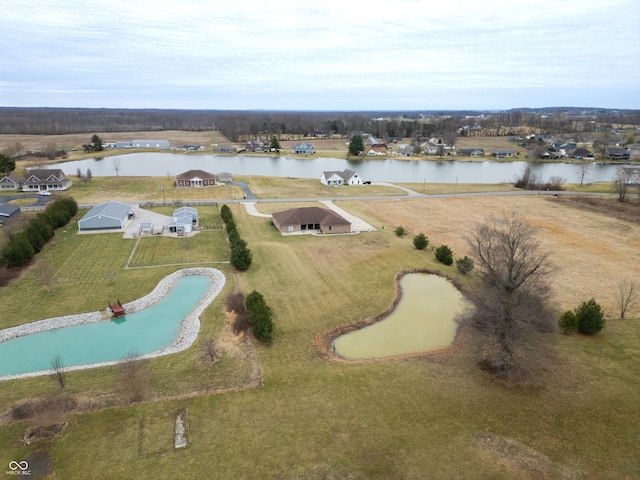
(189, 327)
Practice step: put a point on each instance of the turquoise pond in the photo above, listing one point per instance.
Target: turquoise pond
(146, 331)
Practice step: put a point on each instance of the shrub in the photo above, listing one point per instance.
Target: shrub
(444, 255)
(235, 302)
(260, 316)
(568, 322)
(590, 317)
(420, 241)
(225, 213)
(465, 265)
(241, 257)
(400, 231)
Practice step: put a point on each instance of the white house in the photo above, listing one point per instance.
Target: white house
(346, 177)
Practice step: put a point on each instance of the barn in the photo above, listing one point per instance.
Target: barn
(106, 216)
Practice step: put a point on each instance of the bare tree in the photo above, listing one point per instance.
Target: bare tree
(626, 292)
(134, 378)
(512, 303)
(57, 371)
(89, 175)
(620, 185)
(116, 162)
(210, 349)
(46, 274)
(584, 168)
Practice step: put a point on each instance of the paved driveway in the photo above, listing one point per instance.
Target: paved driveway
(132, 227)
(41, 200)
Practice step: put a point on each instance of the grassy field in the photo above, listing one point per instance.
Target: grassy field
(316, 418)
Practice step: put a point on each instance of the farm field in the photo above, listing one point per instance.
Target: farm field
(318, 418)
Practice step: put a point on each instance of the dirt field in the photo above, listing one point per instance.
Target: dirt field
(590, 250)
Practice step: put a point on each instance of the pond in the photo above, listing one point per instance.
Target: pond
(387, 170)
(159, 328)
(423, 321)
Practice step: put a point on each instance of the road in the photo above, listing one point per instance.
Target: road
(42, 200)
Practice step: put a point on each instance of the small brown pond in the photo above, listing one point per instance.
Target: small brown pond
(423, 321)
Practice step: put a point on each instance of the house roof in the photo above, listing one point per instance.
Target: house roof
(42, 174)
(309, 215)
(14, 178)
(191, 174)
(185, 211)
(345, 174)
(110, 209)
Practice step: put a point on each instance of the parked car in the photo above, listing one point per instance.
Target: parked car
(46, 193)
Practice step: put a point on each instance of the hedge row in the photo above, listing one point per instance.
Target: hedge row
(25, 243)
(241, 257)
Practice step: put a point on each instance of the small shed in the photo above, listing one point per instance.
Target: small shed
(182, 224)
(225, 177)
(145, 228)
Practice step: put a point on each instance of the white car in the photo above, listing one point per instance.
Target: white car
(46, 193)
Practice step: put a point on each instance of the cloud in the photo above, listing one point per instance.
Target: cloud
(253, 54)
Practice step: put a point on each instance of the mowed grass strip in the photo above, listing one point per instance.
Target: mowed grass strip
(203, 247)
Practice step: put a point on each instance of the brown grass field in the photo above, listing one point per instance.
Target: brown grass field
(591, 250)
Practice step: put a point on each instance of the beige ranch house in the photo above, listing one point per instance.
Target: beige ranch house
(310, 220)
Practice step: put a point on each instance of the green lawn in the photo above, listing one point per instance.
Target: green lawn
(195, 248)
(316, 418)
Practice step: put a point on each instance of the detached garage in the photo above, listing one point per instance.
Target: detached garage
(106, 216)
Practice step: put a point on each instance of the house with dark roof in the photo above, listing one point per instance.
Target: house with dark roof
(616, 153)
(346, 177)
(304, 149)
(225, 149)
(11, 182)
(106, 216)
(41, 179)
(500, 153)
(470, 152)
(582, 154)
(310, 220)
(196, 178)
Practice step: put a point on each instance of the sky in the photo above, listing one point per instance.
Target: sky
(344, 55)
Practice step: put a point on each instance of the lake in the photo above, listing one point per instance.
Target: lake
(385, 170)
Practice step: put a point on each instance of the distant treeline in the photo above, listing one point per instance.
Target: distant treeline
(245, 125)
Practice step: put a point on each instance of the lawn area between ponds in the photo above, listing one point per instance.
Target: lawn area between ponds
(315, 418)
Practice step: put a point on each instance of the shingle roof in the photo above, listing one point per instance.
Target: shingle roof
(309, 215)
(191, 174)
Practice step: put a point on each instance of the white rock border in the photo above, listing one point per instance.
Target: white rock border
(189, 327)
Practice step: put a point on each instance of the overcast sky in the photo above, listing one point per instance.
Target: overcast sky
(328, 55)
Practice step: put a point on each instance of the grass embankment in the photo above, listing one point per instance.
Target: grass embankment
(391, 419)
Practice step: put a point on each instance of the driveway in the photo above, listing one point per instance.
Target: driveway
(132, 227)
(41, 200)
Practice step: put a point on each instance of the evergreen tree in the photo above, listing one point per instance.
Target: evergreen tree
(356, 145)
(420, 241)
(275, 144)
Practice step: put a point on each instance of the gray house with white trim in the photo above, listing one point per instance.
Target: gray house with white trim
(106, 216)
(304, 149)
